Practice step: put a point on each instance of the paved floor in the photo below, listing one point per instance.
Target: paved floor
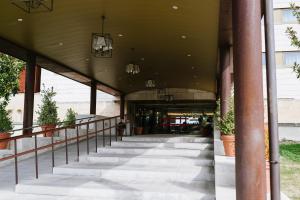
(27, 167)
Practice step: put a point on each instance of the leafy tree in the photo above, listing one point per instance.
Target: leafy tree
(292, 34)
(48, 110)
(10, 69)
(5, 120)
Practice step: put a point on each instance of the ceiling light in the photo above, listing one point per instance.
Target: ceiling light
(102, 43)
(60, 44)
(193, 67)
(188, 55)
(120, 35)
(31, 6)
(183, 36)
(133, 68)
(175, 7)
(150, 83)
(20, 19)
(142, 59)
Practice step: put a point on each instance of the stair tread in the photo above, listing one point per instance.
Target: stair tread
(72, 183)
(98, 166)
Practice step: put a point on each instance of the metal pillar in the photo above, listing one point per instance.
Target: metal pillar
(272, 100)
(29, 92)
(225, 79)
(249, 107)
(122, 106)
(93, 97)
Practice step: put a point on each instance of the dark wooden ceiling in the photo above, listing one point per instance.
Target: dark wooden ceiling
(153, 28)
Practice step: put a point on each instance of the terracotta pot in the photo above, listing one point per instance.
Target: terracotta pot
(229, 144)
(268, 177)
(4, 145)
(139, 130)
(47, 128)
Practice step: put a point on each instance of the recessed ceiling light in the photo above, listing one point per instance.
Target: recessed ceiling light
(20, 19)
(183, 36)
(87, 59)
(193, 67)
(175, 7)
(60, 44)
(189, 55)
(120, 35)
(142, 59)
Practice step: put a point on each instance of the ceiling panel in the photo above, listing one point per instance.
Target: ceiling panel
(153, 28)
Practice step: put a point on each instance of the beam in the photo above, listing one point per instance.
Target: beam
(225, 79)
(272, 100)
(249, 107)
(122, 106)
(93, 97)
(29, 92)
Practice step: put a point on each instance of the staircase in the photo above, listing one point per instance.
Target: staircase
(138, 168)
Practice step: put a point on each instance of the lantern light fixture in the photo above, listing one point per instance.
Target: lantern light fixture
(102, 43)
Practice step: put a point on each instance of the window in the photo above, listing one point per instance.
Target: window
(288, 17)
(289, 58)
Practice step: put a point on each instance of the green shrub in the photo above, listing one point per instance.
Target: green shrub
(47, 113)
(70, 117)
(225, 124)
(5, 120)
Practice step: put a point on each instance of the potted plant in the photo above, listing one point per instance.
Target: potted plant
(139, 129)
(70, 119)
(47, 113)
(5, 126)
(226, 127)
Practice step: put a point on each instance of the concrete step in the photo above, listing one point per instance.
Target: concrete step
(136, 172)
(71, 187)
(157, 151)
(148, 160)
(165, 138)
(186, 145)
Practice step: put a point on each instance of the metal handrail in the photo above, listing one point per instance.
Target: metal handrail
(87, 136)
(37, 126)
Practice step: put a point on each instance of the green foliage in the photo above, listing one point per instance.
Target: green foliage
(70, 117)
(225, 124)
(292, 34)
(290, 151)
(10, 69)
(5, 120)
(48, 110)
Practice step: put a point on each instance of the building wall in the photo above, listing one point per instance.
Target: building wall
(287, 82)
(70, 94)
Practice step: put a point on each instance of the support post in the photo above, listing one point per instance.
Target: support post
(249, 107)
(122, 106)
(225, 79)
(29, 92)
(93, 98)
(272, 101)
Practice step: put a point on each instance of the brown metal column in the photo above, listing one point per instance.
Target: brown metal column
(225, 79)
(93, 98)
(122, 106)
(29, 92)
(272, 100)
(249, 108)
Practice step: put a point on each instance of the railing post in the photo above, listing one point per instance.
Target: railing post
(52, 152)
(96, 136)
(66, 146)
(16, 162)
(87, 138)
(103, 132)
(110, 132)
(116, 128)
(77, 140)
(36, 157)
